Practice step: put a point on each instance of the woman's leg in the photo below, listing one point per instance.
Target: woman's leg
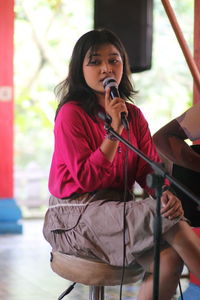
(187, 244)
(170, 271)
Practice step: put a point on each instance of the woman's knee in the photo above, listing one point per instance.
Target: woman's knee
(170, 262)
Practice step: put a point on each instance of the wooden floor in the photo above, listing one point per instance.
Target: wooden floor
(25, 273)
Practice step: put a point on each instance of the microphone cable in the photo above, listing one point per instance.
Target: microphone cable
(180, 289)
(124, 215)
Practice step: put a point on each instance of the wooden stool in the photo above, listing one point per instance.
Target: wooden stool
(93, 273)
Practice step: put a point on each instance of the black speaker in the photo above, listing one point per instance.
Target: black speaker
(132, 22)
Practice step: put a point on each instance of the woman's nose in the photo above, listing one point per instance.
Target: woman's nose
(106, 68)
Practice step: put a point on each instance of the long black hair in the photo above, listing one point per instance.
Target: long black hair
(74, 87)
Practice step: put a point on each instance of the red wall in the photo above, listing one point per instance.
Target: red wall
(6, 98)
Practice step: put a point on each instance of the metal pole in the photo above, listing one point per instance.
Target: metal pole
(96, 292)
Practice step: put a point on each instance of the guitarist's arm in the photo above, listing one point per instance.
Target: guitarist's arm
(170, 143)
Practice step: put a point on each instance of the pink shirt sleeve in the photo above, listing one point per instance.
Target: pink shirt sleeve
(77, 158)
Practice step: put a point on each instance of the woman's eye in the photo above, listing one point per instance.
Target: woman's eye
(113, 61)
(93, 62)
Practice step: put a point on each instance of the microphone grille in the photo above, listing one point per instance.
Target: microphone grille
(109, 82)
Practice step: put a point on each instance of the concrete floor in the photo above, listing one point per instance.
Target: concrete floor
(25, 272)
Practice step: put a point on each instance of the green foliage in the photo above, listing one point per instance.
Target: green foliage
(45, 33)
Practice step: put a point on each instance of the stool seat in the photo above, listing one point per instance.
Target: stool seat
(92, 272)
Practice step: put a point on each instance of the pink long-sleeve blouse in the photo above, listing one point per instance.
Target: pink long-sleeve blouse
(78, 165)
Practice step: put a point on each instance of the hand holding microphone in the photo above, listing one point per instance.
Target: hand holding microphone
(111, 83)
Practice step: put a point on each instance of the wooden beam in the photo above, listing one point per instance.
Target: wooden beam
(186, 51)
(196, 95)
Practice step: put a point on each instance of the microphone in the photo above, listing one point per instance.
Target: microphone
(111, 83)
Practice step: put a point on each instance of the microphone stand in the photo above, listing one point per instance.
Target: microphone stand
(155, 181)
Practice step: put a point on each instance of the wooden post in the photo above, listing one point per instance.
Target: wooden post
(196, 44)
(180, 37)
(9, 211)
(196, 92)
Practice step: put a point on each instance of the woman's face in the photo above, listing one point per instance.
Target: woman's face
(104, 62)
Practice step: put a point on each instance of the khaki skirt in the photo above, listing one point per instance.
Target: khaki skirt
(97, 226)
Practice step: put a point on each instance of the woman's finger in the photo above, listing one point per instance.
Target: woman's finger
(171, 205)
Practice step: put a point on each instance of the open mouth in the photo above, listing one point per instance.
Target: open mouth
(101, 80)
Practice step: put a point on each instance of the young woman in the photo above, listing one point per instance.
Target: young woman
(87, 176)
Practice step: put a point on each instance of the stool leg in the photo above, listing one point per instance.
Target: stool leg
(96, 292)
